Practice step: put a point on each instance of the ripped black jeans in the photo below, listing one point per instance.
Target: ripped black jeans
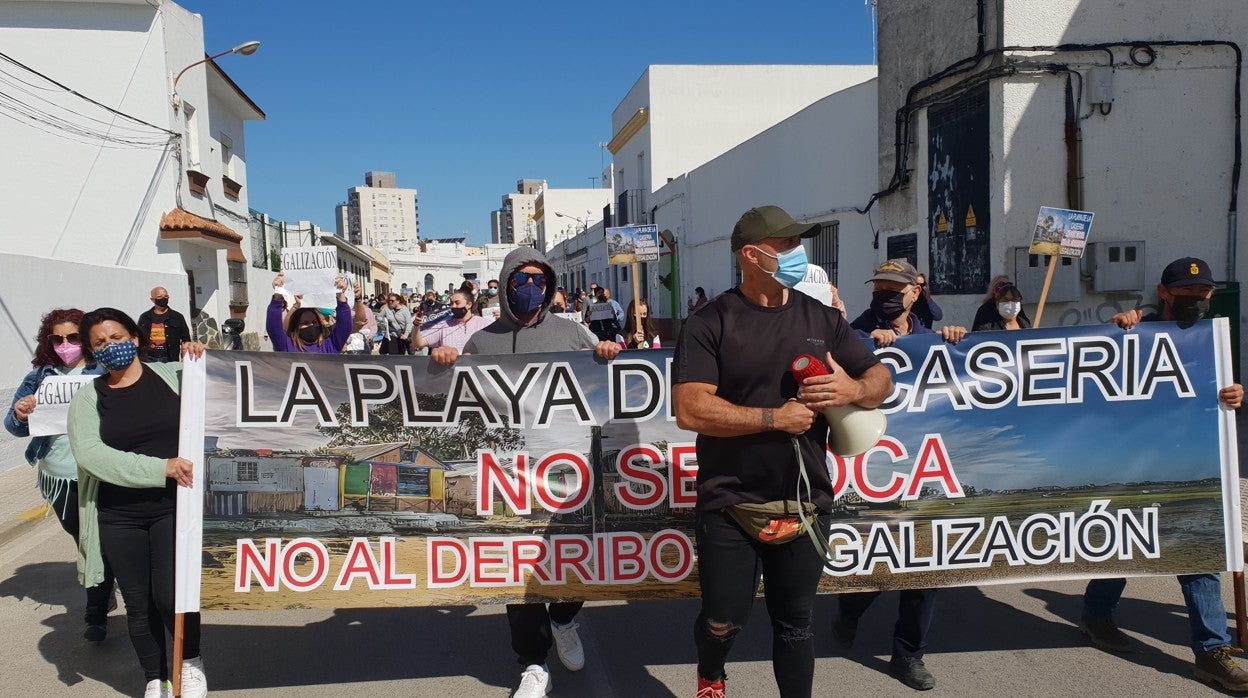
(729, 565)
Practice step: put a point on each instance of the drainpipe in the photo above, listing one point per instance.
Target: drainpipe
(673, 279)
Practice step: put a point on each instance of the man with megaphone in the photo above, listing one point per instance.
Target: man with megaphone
(896, 288)
(758, 430)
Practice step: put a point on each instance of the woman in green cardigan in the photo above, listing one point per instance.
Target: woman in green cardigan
(123, 430)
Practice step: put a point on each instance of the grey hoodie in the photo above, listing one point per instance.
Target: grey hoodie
(546, 333)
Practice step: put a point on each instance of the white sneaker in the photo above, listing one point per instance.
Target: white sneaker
(534, 682)
(194, 682)
(568, 645)
(158, 689)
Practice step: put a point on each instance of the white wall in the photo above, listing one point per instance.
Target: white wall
(34, 285)
(819, 159)
(697, 112)
(68, 198)
(1156, 168)
(93, 205)
(583, 204)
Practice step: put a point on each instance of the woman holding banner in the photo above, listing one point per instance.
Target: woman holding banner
(58, 351)
(123, 430)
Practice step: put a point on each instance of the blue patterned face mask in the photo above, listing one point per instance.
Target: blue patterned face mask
(116, 356)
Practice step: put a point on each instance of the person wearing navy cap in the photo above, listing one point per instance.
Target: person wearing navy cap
(1185, 291)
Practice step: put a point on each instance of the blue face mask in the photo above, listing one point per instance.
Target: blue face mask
(116, 356)
(525, 300)
(792, 267)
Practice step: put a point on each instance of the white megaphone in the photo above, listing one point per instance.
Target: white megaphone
(851, 429)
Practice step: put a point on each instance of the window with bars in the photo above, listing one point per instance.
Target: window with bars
(248, 471)
(822, 249)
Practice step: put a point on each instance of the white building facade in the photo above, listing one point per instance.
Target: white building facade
(124, 188)
(561, 213)
(381, 214)
(1138, 126)
(512, 223)
(677, 117)
(812, 154)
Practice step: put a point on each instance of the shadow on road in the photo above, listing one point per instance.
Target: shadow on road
(55, 584)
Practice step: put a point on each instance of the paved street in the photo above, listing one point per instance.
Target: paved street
(988, 641)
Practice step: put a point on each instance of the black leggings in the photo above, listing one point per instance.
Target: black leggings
(65, 505)
(729, 565)
(140, 552)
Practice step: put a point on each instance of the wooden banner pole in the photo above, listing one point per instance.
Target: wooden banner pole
(1044, 292)
(1241, 615)
(636, 303)
(179, 632)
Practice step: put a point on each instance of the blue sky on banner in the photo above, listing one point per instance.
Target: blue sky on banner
(1163, 438)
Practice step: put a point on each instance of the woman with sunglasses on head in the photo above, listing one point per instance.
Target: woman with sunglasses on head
(58, 352)
(123, 429)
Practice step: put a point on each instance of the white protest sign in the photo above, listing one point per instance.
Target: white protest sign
(601, 311)
(310, 272)
(52, 403)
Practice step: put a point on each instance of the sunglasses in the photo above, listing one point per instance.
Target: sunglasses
(72, 338)
(520, 278)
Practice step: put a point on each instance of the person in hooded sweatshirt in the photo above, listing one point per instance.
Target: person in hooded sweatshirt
(525, 325)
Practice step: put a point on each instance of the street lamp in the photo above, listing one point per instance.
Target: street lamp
(582, 221)
(244, 49)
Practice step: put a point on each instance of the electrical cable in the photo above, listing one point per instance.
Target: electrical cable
(1141, 53)
(66, 88)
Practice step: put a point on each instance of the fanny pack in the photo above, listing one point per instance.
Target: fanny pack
(774, 523)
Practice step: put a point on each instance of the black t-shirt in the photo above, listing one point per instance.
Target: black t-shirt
(140, 418)
(746, 351)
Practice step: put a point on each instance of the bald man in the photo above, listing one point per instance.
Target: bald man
(166, 328)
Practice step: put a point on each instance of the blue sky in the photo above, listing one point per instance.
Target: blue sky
(461, 99)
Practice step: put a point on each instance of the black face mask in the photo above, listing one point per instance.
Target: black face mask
(1189, 308)
(309, 335)
(459, 313)
(161, 302)
(888, 305)
(558, 309)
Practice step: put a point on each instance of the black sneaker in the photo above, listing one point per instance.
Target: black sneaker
(913, 673)
(95, 632)
(844, 630)
(1104, 633)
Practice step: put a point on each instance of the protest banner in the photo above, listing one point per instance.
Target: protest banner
(356, 481)
(311, 272)
(1060, 232)
(52, 404)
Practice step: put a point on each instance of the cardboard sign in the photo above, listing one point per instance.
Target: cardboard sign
(601, 311)
(311, 272)
(52, 403)
(633, 243)
(1061, 231)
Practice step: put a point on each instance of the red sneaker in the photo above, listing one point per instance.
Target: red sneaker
(710, 689)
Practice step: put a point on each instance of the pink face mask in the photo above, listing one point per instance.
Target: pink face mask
(69, 353)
